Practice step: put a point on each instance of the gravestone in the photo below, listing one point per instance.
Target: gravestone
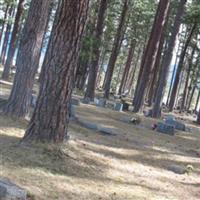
(118, 107)
(85, 100)
(148, 113)
(110, 105)
(177, 125)
(165, 128)
(177, 169)
(125, 106)
(75, 102)
(125, 119)
(88, 125)
(170, 117)
(105, 130)
(101, 103)
(10, 191)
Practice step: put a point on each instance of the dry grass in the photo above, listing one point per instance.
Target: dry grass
(129, 166)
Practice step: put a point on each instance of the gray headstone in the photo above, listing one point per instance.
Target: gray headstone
(106, 130)
(118, 107)
(178, 125)
(170, 117)
(165, 128)
(148, 113)
(177, 169)
(75, 102)
(85, 100)
(101, 103)
(88, 125)
(125, 119)
(13, 192)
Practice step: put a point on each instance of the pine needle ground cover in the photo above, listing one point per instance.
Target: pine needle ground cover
(130, 165)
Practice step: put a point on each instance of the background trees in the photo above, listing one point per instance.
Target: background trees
(147, 49)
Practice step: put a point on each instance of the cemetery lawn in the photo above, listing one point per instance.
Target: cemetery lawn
(132, 165)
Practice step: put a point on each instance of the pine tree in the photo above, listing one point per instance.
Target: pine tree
(12, 45)
(50, 119)
(28, 59)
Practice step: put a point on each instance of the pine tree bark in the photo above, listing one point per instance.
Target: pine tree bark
(156, 71)
(197, 101)
(28, 59)
(167, 60)
(91, 86)
(179, 69)
(7, 34)
(132, 74)
(151, 51)
(4, 22)
(198, 117)
(115, 49)
(185, 91)
(52, 6)
(50, 119)
(13, 41)
(127, 66)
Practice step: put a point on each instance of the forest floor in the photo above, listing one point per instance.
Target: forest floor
(131, 165)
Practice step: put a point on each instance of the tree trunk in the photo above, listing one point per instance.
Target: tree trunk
(179, 69)
(197, 101)
(191, 97)
(173, 73)
(151, 51)
(156, 71)
(185, 91)
(13, 41)
(198, 117)
(132, 75)
(115, 50)
(7, 34)
(28, 58)
(91, 86)
(4, 21)
(127, 66)
(51, 7)
(50, 119)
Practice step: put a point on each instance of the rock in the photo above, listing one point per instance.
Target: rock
(88, 125)
(177, 169)
(105, 130)
(11, 191)
(177, 125)
(75, 102)
(118, 107)
(165, 128)
(101, 102)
